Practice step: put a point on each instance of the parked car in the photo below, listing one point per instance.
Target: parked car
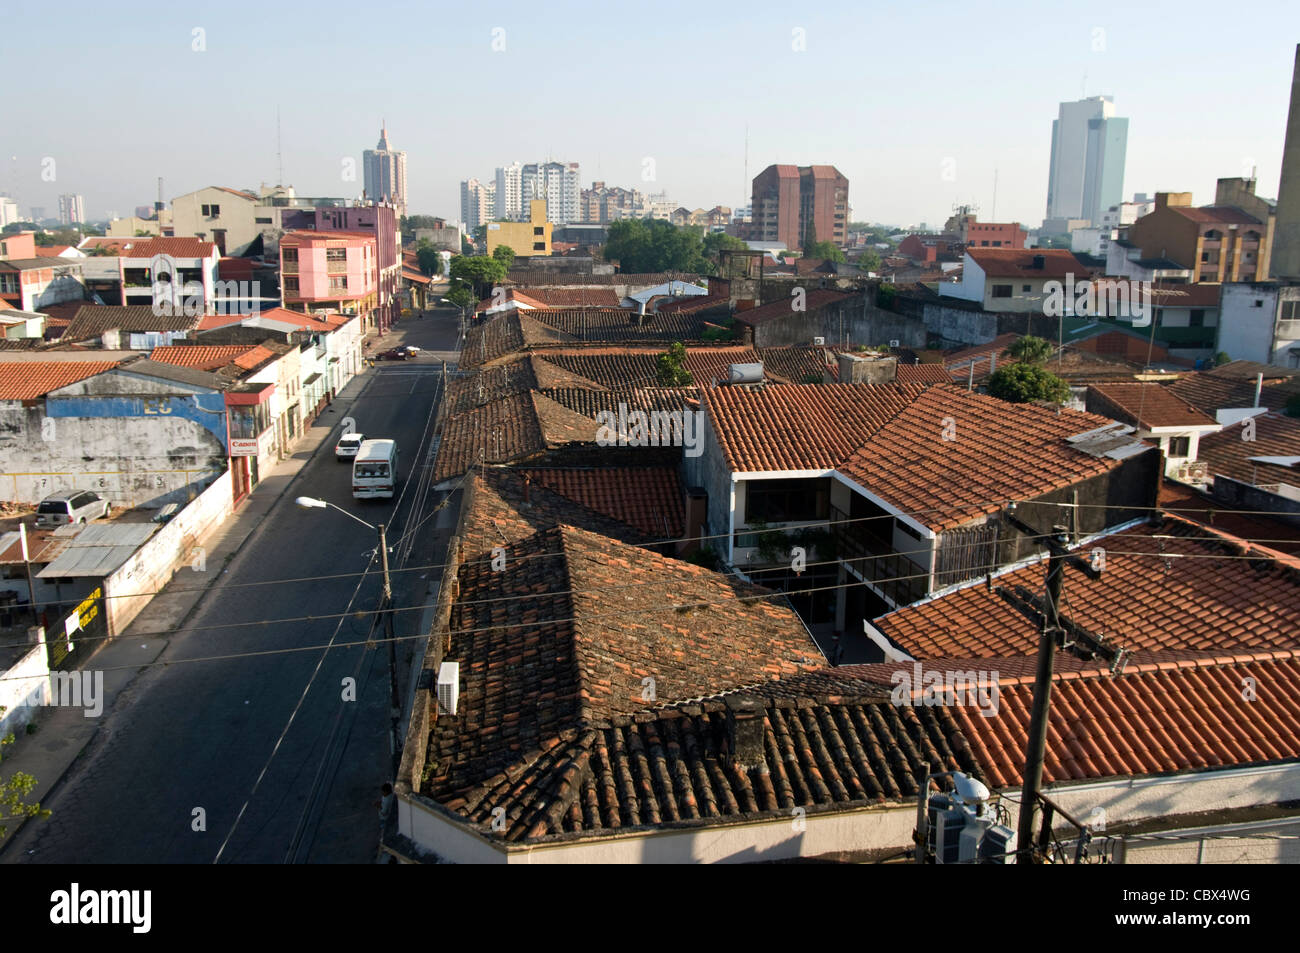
(77, 506)
(348, 446)
(395, 354)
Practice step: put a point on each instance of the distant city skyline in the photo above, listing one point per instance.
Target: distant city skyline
(913, 144)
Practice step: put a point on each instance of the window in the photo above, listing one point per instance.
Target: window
(1179, 446)
(1002, 291)
(1290, 310)
(262, 221)
(998, 244)
(290, 286)
(1197, 319)
(203, 209)
(1025, 288)
(1259, 303)
(289, 254)
(783, 501)
(216, 210)
(1205, 256)
(539, 230)
(539, 246)
(339, 284)
(984, 243)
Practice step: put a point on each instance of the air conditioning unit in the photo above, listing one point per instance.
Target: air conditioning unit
(448, 687)
(819, 342)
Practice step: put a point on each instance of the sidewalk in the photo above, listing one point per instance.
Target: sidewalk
(63, 733)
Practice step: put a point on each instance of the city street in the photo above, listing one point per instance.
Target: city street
(264, 757)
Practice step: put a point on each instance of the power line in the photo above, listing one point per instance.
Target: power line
(750, 531)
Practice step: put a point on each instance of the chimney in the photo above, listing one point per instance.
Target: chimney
(993, 362)
(1259, 387)
(746, 732)
(697, 518)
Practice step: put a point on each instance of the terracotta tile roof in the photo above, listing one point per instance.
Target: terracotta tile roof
(923, 374)
(204, 357)
(1187, 502)
(589, 403)
(637, 366)
(620, 325)
(951, 481)
(958, 362)
(93, 320)
(113, 244)
(1171, 585)
(651, 499)
(491, 339)
(795, 363)
(814, 300)
(694, 304)
(1157, 718)
(1097, 359)
(1211, 392)
(1019, 262)
(30, 380)
(509, 429)
(1145, 405)
(1215, 213)
(814, 427)
(1249, 370)
(175, 247)
(1228, 454)
(488, 384)
(559, 645)
(584, 298)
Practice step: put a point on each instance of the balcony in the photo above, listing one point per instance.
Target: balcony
(871, 556)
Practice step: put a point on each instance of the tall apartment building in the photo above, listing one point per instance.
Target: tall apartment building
(795, 205)
(509, 200)
(477, 203)
(8, 211)
(1230, 240)
(602, 204)
(1087, 173)
(72, 209)
(559, 184)
(1286, 235)
(385, 174)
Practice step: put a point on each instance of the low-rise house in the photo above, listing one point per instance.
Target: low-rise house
(1001, 279)
(1161, 417)
(889, 490)
(330, 271)
(1261, 323)
(170, 275)
(28, 284)
(138, 327)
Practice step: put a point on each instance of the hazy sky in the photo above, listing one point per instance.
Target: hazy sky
(917, 103)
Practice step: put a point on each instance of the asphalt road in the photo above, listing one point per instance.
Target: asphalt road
(216, 735)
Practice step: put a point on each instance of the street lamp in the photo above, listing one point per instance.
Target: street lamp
(385, 606)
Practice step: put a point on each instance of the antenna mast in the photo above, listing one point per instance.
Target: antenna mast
(279, 154)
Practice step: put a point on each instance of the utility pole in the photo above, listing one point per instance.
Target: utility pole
(27, 561)
(1052, 634)
(386, 604)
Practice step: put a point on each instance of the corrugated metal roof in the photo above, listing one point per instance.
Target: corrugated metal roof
(97, 549)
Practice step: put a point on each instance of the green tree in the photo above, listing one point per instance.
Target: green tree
(1021, 383)
(462, 296)
(1221, 358)
(504, 254)
(670, 367)
(13, 792)
(643, 246)
(869, 260)
(429, 260)
(1030, 350)
(478, 271)
(885, 295)
(828, 250)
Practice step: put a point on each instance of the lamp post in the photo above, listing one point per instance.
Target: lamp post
(385, 604)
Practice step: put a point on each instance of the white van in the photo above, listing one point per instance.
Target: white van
(374, 471)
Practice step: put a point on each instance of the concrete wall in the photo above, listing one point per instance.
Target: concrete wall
(1242, 495)
(848, 323)
(177, 545)
(23, 688)
(959, 326)
(129, 460)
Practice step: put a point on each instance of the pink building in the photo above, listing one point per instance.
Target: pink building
(330, 271)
